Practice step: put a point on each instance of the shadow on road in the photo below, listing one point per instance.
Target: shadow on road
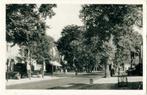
(106, 86)
(83, 75)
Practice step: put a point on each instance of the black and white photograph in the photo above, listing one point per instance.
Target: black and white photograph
(52, 48)
(74, 46)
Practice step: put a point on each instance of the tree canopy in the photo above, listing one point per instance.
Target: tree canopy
(105, 21)
(24, 22)
(107, 35)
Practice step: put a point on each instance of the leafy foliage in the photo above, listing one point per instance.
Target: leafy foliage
(25, 26)
(105, 21)
(108, 36)
(23, 22)
(67, 44)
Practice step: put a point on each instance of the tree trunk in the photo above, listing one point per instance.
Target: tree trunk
(76, 72)
(140, 54)
(8, 62)
(29, 64)
(107, 71)
(43, 68)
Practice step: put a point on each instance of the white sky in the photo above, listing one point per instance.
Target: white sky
(66, 14)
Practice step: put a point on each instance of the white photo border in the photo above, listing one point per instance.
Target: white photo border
(5, 91)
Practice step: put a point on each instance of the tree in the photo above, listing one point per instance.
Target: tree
(105, 21)
(41, 51)
(25, 24)
(67, 44)
(128, 39)
(79, 55)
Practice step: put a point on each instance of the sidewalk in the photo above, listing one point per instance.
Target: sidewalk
(115, 79)
(27, 80)
(105, 84)
(134, 82)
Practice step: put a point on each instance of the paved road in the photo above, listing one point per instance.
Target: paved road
(68, 81)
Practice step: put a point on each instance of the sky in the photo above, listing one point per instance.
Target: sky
(66, 14)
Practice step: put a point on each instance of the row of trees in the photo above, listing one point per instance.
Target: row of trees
(25, 26)
(107, 37)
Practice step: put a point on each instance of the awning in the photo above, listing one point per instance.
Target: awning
(55, 63)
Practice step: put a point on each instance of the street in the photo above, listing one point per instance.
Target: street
(68, 80)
